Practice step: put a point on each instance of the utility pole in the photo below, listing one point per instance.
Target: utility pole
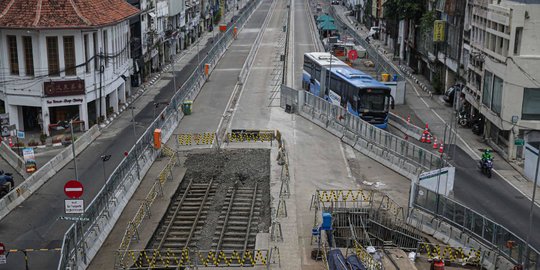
(73, 150)
(101, 71)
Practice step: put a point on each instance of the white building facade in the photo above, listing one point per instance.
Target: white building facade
(503, 82)
(56, 73)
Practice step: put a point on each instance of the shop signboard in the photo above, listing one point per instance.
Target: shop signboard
(63, 88)
(4, 125)
(29, 160)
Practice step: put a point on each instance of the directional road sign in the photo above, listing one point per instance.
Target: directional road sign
(73, 189)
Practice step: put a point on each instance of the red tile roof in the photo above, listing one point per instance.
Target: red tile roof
(43, 14)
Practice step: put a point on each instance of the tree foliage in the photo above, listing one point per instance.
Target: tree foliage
(403, 9)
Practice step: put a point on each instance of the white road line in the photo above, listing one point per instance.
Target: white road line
(349, 173)
(472, 153)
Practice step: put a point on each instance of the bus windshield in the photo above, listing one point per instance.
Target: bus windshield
(373, 102)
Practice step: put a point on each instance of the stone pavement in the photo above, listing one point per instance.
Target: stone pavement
(423, 107)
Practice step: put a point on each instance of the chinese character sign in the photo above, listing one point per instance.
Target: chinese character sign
(438, 31)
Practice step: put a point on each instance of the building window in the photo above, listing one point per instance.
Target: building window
(52, 56)
(96, 57)
(517, 40)
(13, 55)
(106, 47)
(486, 92)
(86, 54)
(28, 56)
(531, 99)
(496, 102)
(69, 55)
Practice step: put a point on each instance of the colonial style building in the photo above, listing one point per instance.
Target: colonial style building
(63, 60)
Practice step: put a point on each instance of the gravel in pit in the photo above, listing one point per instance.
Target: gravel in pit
(226, 166)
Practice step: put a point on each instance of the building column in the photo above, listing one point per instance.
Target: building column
(46, 120)
(122, 91)
(83, 114)
(113, 99)
(103, 105)
(13, 111)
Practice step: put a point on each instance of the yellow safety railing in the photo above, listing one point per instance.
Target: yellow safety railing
(187, 139)
(157, 259)
(449, 253)
(131, 232)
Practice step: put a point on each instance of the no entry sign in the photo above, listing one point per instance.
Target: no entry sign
(73, 189)
(353, 55)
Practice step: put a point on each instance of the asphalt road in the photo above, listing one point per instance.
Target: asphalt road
(34, 224)
(493, 197)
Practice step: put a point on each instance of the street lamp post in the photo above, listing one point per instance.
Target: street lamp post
(531, 215)
(73, 150)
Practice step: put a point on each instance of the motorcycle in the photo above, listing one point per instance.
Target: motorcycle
(486, 166)
(6, 183)
(463, 119)
(478, 126)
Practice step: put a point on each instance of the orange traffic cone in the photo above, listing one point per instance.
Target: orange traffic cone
(435, 144)
(441, 147)
(427, 126)
(423, 139)
(428, 138)
(10, 142)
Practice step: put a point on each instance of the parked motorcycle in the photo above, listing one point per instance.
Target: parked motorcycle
(486, 166)
(463, 119)
(6, 183)
(478, 126)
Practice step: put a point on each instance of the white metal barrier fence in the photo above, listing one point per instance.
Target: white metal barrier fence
(399, 154)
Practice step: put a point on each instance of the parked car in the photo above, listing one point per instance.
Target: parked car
(448, 96)
(374, 32)
(335, 2)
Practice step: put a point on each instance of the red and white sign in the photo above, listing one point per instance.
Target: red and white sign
(2, 249)
(73, 189)
(353, 55)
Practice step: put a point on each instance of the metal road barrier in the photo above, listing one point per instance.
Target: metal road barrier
(169, 258)
(449, 220)
(448, 253)
(187, 139)
(45, 172)
(84, 238)
(394, 152)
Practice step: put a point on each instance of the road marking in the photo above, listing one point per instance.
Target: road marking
(349, 173)
(471, 151)
(227, 69)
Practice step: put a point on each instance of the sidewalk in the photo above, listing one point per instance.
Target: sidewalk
(423, 107)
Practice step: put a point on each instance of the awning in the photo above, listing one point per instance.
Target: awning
(324, 18)
(326, 26)
(152, 14)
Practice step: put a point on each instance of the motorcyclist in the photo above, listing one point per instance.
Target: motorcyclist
(487, 155)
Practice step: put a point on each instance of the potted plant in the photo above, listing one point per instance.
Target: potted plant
(32, 143)
(43, 138)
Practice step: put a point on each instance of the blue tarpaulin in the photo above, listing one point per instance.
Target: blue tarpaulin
(336, 261)
(355, 263)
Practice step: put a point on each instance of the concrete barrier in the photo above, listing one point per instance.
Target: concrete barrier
(13, 159)
(45, 172)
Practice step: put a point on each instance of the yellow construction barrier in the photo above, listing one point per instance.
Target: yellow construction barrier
(366, 258)
(206, 138)
(344, 195)
(251, 136)
(152, 259)
(449, 253)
